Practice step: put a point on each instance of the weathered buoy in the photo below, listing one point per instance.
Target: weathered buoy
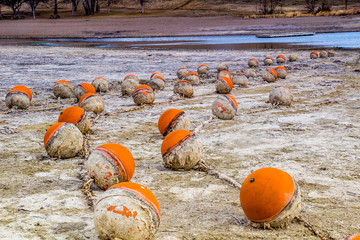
(314, 55)
(224, 107)
(109, 164)
(331, 53)
(128, 85)
(173, 119)
(268, 61)
(19, 96)
(157, 82)
(203, 69)
(143, 94)
(293, 58)
(193, 78)
(281, 72)
(222, 67)
(323, 54)
(281, 95)
(181, 149)
(224, 85)
(157, 73)
(91, 102)
(270, 197)
(269, 75)
(181, 72)
(100, 84)
(82, 89)
(127, 211)
(253, 62)
(184, 88)
(63, 89)
(63, 140)
(355, 237)
(223, 73)
(239, 78)
(77, 116)
(280, 58)
(250, 73)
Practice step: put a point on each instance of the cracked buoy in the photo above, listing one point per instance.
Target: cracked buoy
(253, 63)
(173, 119)
(224, 107)
(109, 164)
(63, 89)
(63, 140)
(268, 61)
(128, 85)
(77, 116)
(82, 89)
(143, 94)
(193, 78)
(100, 84)
(181, 72)
(127, 211)
(91, 102)
(269, 75)
(184, 88)
(19, 96)
(181, 149)
(224, 85)
(281, 95)
(270, 197)
(281, 72)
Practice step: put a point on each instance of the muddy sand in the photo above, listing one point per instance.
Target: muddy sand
(316, 141)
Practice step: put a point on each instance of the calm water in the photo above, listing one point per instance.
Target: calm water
(344, 40)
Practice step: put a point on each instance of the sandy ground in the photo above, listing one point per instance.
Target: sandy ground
(316, 141)
(172, 26)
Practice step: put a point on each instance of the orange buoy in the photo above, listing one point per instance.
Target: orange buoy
(203, 69)
(268, 61)
(224, 107)
(19, 96)
(158, 73)
(143, 94)
(63, 140)
(224, 85)
(110, 164)
(76, 116)
(223, 73)
(157, 82)
(355, 237)
(181, 149)
(63, 89)
(239, 78)
(91, 102)
(82, 89)
(193, 78)
(270, 197)
(253, 62)
(222, 67)
(281, 95)
(269, 75)
(314, 55)
(173, 119)
(280, 58)
(127, 211)
(181, 72)
(100, 84)
(281, 72)
(183, 88)
(128, 85)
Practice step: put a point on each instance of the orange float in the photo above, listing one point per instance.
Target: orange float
(203, 69)
(253, 62)
(224, 85)
(100, 84)
(181, 72)
(355, 237)
(143, 94)
(184, 88)
(224, 107)
(63, 89)
(19, 96)
(76, 116)
(91, 102)
(193, 78)
(173, 119)
(82, 89)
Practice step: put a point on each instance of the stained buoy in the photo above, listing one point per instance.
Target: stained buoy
(157, 82)
(82, 89)
(109, 164)
(91, 102)
(76, 116)
(253, 62)
(331, 53)
(181, 72)
(281, 95)
(143, 94)
(355, 237)
(269, 75)
(63, 89)
(193, 78)
(281, 72)
(223, 73)
(239, 78)
(314, 55)
(293, 58)
(127, 211)
(157, 73)
(270, 197)
(100, 84)
(323, 54)
(222, 67)
(19, 96)
(250, 73)
(280, 59)
(224, 107)
(181, 149)
(63, 140)
(132, 76)
(128, 85)
(173, 119)
(224, 85)
(184, 88)
(203, 69)
(268, 61)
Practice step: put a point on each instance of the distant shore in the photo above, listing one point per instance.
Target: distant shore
(171, 26)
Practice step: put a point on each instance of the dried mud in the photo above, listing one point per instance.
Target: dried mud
(316, 141)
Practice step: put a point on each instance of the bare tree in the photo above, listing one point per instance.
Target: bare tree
(268, 6)
(15, 5)
(311, 5)
(74, 4)
(33, 4)
(346, 3)
(325, 6)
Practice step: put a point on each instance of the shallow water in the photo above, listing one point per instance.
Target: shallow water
(343, 40)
